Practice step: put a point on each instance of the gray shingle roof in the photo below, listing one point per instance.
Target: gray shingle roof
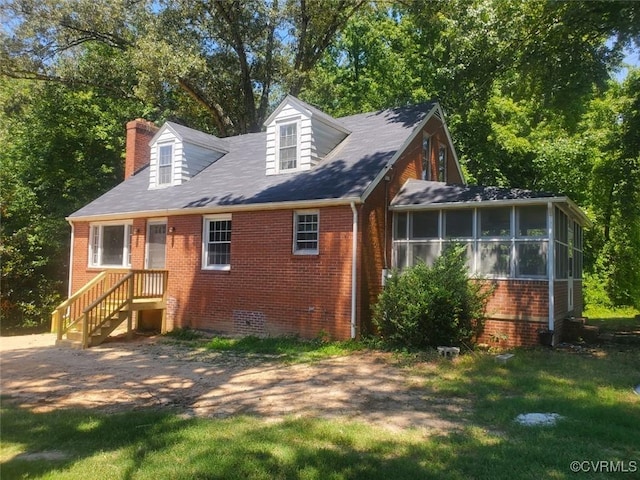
(239, 178)
(422, 192)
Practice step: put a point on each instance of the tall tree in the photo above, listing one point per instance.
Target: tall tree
(61, 148)
(523, 83)
(227, 56)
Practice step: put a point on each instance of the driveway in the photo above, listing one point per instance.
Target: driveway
(152, 372)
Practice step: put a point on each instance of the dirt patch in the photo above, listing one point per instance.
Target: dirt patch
(151, 372)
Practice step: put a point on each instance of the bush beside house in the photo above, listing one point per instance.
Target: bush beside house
(429, 306)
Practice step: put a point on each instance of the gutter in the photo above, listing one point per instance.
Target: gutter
(354, 270)
(246, 207)
(551, 266)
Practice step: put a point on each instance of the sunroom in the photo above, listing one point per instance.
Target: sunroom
(528, 244)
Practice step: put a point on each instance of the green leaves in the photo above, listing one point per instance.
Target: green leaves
(431, 306)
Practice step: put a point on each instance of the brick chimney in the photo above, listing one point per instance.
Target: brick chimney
(139, 134)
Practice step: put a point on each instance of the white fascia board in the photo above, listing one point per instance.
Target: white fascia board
(289, 99)
(162, 129)
(398, 153)
(571, 205)
(220, 145)
(331, 202)
(476, 203)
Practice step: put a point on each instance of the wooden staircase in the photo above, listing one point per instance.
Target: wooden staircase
(90, 315)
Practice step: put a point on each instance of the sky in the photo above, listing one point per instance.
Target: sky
(632, 58)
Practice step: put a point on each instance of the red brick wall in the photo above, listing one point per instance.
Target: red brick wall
(80, 274)
(561, 300)
(521, 299)
(511, 333)
(578, 300)
(517, 311)
(268, 291)
(373, 221)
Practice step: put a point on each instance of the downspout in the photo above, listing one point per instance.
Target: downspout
(70, 286)
(354, 269)
(550, 266)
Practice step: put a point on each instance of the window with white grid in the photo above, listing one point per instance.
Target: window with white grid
(217, 243)
(288, 146)
(306, 232)
(165, 163)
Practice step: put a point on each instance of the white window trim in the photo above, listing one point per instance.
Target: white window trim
(475, 241)
(126, 253)
(305, 251)
(282, 123)
(205, 243)
(171, 164)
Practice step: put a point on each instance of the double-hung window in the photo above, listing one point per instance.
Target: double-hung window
(306, 232)
(165, 164)
(288, 146)
(110, 245)
(217, 243)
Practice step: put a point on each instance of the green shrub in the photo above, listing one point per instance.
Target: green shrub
(430, 306)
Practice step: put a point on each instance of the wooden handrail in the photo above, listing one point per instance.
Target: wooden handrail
(103, 296)
(108, 292)
(57, 316)
(94, 281)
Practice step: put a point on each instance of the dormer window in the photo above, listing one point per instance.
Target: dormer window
(179, 153)
(299, 136)
(288, 146)
(165, 164)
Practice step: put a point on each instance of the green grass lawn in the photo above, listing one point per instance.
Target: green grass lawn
(592, 390)
(613, 320)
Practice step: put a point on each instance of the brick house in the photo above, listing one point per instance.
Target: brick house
(293, 230)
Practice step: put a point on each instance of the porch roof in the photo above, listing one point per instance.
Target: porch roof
(425, 195)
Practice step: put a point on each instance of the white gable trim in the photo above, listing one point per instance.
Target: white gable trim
(220, 145)
(307, 110)
(159, 133)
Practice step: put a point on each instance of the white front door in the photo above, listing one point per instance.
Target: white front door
(156, 256)
(156, 245)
